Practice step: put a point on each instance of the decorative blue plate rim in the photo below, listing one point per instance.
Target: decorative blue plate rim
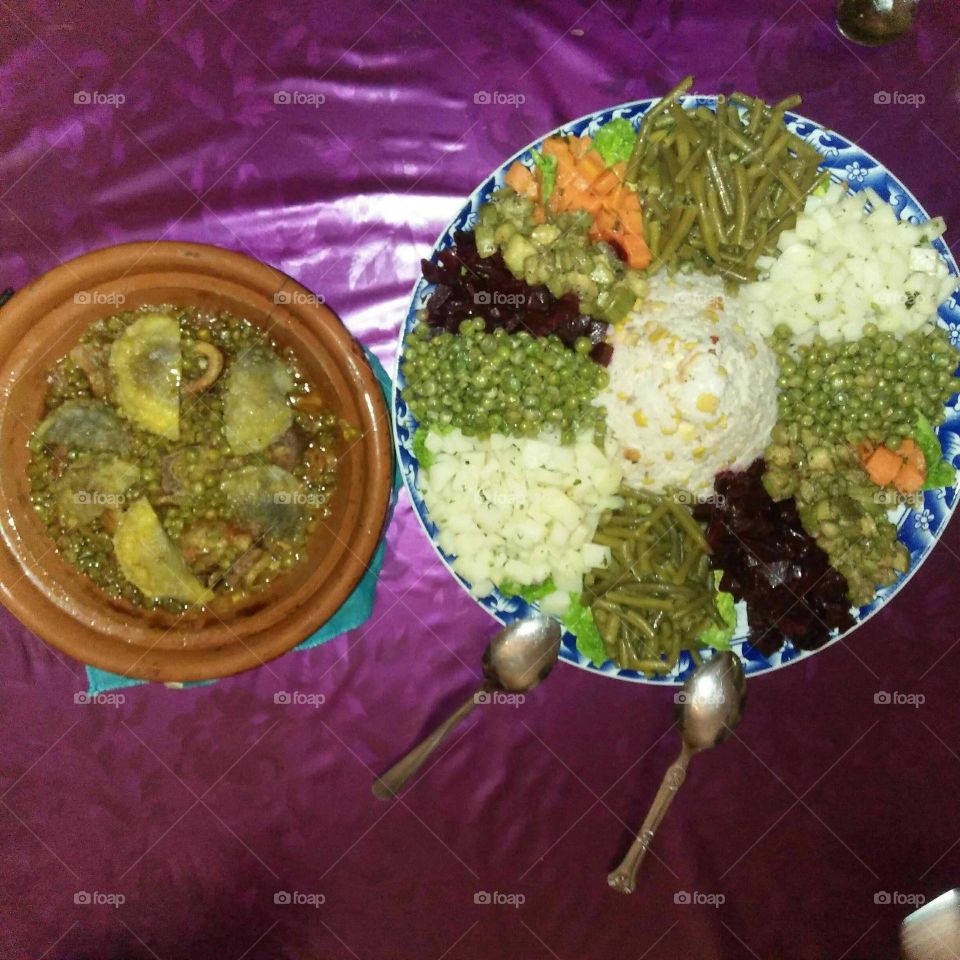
(919, 528)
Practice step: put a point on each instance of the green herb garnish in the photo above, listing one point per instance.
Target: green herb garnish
(614, 141)
(548, 174)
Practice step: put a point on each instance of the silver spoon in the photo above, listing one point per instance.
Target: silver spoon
(516, 660)
(712, 704)
(933, 931)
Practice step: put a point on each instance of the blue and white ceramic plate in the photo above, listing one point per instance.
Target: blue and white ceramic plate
(919, 528)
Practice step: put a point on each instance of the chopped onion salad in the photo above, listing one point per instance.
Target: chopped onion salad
(849, 264)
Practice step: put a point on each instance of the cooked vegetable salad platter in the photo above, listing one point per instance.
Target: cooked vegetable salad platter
(682, 374)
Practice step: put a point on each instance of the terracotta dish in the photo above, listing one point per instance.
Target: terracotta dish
(41, 324)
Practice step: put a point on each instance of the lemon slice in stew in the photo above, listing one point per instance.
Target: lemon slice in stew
(266, 497)
(146, 367)
(150, 560)
(91, 485)
(256, 410)
(84, 425)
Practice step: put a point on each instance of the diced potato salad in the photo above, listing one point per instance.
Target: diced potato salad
(518, 509)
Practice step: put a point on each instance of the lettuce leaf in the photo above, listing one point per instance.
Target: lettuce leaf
(548, 174)
(579, 621)
(614, 141)
(719, 637)
(940, 473)
(532, 593)
(420, 451)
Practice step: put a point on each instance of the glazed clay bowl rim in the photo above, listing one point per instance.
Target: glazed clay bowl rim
(41, 323)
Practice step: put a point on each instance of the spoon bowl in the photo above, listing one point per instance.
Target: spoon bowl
(522, 655)
(712, 702)
(516, 659)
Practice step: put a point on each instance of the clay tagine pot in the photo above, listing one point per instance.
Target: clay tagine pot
(43, 322)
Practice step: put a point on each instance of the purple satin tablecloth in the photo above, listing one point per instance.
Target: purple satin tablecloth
(809, 835)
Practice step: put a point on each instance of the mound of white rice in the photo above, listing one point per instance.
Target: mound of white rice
(691, 392)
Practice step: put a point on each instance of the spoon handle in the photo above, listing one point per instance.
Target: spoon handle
(393, 781)
(624, 878)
